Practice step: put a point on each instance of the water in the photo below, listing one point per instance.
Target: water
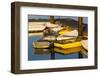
(45, 54)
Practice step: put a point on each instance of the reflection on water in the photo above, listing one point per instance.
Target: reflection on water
(41, 51)
(45, 54)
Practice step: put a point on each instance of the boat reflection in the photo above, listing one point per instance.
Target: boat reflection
(41, 51)
(58, 53)
(68, 51)
(44, 52)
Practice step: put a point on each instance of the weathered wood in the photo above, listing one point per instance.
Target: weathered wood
(52, 20)
(80, 26)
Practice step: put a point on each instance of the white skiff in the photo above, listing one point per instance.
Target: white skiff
(85, 44)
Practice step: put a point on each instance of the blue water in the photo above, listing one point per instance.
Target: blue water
(45, 54)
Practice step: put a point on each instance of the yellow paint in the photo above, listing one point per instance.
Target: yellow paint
(63, 31)
(69, 45)
(38, 46)
(68, 50)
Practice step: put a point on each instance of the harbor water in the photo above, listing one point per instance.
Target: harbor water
(45, 54)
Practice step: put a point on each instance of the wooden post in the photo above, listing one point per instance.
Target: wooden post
(80, 27)
(52, 54)
(80, 55)
(52, 20)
